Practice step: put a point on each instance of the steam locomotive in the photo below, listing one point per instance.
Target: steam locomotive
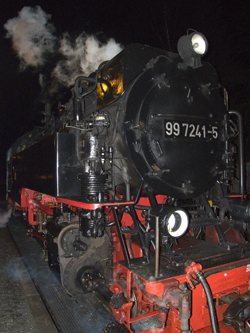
(138, 186)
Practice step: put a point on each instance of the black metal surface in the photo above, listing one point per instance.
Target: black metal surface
(154, 93)
(115, 327)
(89, 314)
(241, 158)
(123, 245)
(118, 300)
(173, 263)
(66, 165)
(93, 187)
(92, 222)
(211, 255)
(164, 94)
(238, 312)
(48, 166)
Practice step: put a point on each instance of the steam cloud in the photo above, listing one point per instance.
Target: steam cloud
(32, 35)
(4, 217)
(82, 57)
(34, 40)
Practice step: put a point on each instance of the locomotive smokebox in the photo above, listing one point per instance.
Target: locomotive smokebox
(175, 127)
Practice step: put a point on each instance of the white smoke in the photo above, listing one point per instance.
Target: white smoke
(82, 57)
(31, 35)
(4, 217)
(33, 39)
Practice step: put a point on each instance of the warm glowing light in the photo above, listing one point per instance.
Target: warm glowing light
(104, 87)
(108, 92)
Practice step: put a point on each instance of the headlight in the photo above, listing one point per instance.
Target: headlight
(191, 48)
(199, 44)
(175, 222)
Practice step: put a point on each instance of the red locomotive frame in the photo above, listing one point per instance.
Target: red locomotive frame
(149, 294)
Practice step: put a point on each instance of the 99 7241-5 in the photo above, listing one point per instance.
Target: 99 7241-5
(191, 130)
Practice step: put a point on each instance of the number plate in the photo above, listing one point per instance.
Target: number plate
(190, 130)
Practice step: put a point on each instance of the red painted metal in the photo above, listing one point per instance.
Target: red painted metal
(150, 295)
(191, 270)
(85, 205)
(34, 203)
(46, 203)
(231, 235)
(228, 281)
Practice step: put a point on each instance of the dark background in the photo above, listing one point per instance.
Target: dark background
(158, 23)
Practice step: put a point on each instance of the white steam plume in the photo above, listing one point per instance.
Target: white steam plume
(4, 217)
(33, 40)
(82, 57)
(31, 35)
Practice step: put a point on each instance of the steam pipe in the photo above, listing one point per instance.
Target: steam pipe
(210, 302)
(241, 152)
(84, 78)
(138, 192)
(120, 235)
(157, 245)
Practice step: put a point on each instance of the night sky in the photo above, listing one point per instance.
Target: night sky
(158, 23)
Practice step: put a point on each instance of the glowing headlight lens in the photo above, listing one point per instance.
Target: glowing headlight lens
(177, 223)
(199, 44)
